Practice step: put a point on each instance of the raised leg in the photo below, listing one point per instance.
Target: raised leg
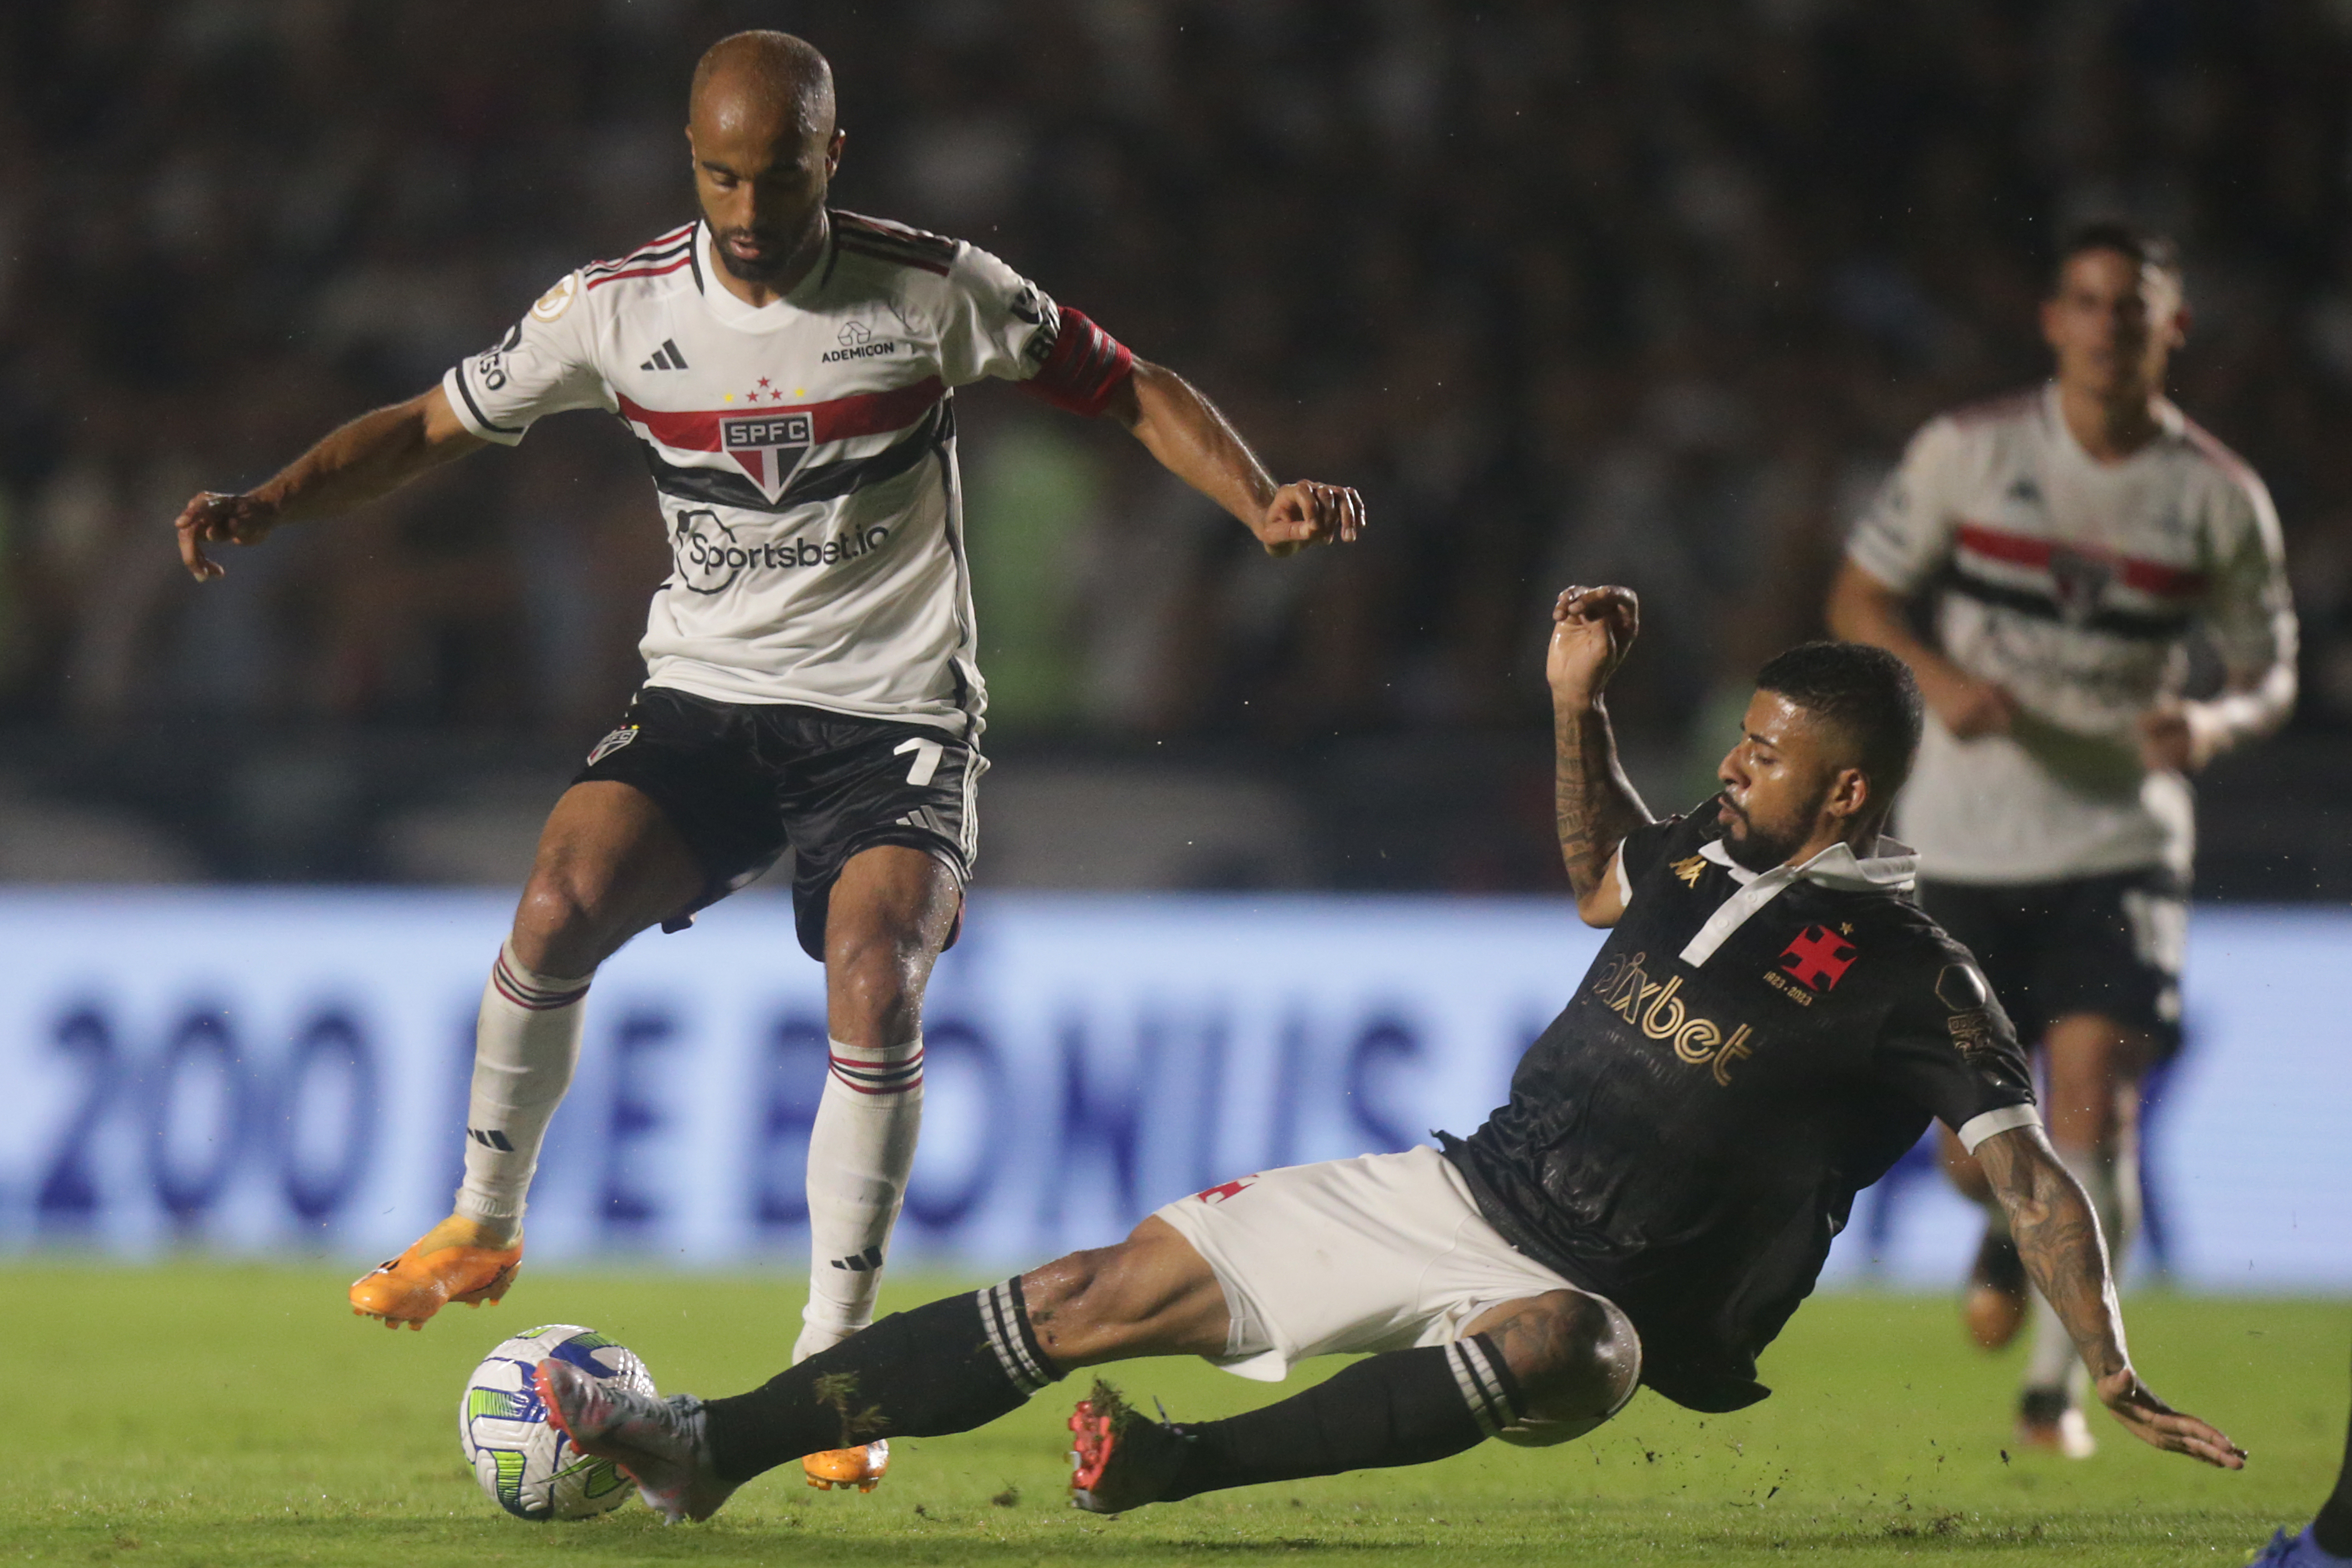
(609, 865)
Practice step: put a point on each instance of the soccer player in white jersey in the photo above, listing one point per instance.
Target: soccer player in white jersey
(2074, 538)
(810, 676)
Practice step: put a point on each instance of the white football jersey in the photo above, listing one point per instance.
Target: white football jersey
(804, 452)
(2074, 584)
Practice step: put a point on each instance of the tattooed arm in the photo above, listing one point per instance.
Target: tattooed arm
(1592, 629)
(2058, 1236)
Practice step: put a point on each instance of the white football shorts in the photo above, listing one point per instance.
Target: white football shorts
(1383, 1252)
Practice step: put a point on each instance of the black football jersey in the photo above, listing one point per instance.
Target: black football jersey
(1746, 1053)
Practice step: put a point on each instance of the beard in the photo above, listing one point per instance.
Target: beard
(776, 259)
(1753, 847)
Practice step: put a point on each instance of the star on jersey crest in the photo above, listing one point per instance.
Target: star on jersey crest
(766, 392)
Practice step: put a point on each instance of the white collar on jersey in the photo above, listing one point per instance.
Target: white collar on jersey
(1890, 865)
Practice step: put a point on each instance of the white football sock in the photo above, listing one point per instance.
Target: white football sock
(860, 1151)
(526, 1043)
(2112, 1184)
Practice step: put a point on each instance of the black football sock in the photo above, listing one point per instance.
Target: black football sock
(947, 1367)
(2333, 1528)
(1406, 1407)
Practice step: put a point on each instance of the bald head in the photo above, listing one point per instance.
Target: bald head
(760, 124)
(773, 79)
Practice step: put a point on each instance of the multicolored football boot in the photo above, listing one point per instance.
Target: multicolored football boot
(1120, 1459)
(658, 1443)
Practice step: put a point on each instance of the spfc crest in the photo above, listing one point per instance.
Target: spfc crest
(2079, 583)
(770, 447)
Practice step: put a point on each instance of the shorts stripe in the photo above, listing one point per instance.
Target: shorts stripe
(968, 830)
(1008, 1336)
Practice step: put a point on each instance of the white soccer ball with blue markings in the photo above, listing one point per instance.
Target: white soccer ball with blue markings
(526, 1464)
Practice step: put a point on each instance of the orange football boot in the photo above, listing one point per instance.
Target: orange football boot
(448, 1263)
(862, 1466)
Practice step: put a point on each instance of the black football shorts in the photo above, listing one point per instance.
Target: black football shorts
(742, 781)
(2109, 944)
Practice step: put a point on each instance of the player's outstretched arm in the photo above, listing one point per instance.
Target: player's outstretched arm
(1863, 609)
(1595, 805)
(2058, 1236)
(1196, 443)
(372, 456)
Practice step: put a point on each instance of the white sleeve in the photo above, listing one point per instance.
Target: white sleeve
(995, 323)
(543, 365)
(1906, 537)
(2249, 610)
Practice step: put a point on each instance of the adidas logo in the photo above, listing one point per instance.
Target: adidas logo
(493, 1139)
(865, 1262)
(923, 816)
(665, 357)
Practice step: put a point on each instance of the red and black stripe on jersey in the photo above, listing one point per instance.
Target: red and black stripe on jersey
(920, 410)
(2048, 595)
(880, 240)
(652, 259)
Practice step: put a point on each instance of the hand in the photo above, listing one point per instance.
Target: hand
(1971, 708)
(1592, 629)
(216, 519)
(1304, 512)
(2158, 1424)
(2171, 742)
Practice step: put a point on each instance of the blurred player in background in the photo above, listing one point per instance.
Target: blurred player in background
(2074, 538)
(809, 678)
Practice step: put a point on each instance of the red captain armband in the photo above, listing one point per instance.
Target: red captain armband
(1084, 367)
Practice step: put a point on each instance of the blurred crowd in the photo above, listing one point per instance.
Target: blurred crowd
(1643, 291)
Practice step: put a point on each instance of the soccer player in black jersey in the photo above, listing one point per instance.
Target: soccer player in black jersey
(1770, 1025)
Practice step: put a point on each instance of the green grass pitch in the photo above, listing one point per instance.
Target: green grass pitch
(206, 1413)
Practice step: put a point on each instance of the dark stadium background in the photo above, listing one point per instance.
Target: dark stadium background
(1649, 291)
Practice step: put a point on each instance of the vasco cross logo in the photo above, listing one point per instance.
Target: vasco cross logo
(1819, 958)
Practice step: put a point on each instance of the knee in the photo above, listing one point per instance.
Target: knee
(1151, 1295)
(876, 976)
(1073, 1303)
(1574, 1371)
(557, 926)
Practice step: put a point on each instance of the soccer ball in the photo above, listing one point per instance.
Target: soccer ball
(526, 1464)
